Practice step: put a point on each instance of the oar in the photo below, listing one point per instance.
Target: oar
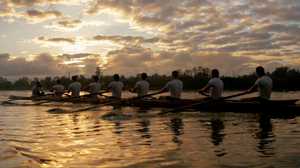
(115, 102)
(203, 102)
(75, 97)
(204, 94)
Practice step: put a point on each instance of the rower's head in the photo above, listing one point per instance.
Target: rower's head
(116, 77)
(74, 78)
(38, 84)
(215, 73)
(96, 78)
(260, 71)
(175, 74)
(58, 81)
(144, 76)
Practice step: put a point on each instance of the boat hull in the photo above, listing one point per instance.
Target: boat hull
(280, 107)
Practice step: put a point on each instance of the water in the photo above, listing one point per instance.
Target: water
(32, 137)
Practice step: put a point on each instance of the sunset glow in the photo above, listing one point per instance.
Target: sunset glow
(128, 36)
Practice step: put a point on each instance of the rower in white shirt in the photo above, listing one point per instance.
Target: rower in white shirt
(58, 88)
(94, 87)
(74, 87)
(142, 87)
(215, 86)
(175, 87)
(264, 84)
(116, 87)
(37, 90)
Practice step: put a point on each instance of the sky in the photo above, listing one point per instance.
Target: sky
(58, 37)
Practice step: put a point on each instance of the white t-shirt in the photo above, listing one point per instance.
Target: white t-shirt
(58, 89)
(75, 89)
(216, 89)
(94, 87)
(175, 87)
(265, 85)
(116, 88)
(36, 91)
(142, 87)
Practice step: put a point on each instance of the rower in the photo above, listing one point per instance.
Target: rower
(215, 85)
(74, 87)
(116, 87)
(142, 87)
(264, 85)
(37, 90)
(94, 87)
(175, 87)
(58, 88)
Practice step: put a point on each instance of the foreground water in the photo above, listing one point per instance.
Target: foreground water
(32, 137)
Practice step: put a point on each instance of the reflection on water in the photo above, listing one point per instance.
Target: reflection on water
(265, 136)
(134, 137)
(217, 135)
(177, 128)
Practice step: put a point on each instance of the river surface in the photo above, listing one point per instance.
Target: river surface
(32, 137)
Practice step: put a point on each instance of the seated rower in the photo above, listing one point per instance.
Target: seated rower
(58, 89)
(94, 87)
(74, 87)
(215, 85)
(116, 87)
(175, 87)
(37, 90)
(264, 84)
(142, 87)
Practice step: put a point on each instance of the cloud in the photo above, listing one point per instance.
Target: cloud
(46, 65)
(135, 59)
(57, 41)
(4, 56)
(30, 3)
(39, 16)
(125, 40)
(231, 35)
(69, 24)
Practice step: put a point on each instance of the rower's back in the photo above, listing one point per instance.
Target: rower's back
(264, 83)
(75, 87)
(116, 87)
(37, 90)
(58, 88)
(175, 86)
(95, 86)
(142, 86)
(216, 84)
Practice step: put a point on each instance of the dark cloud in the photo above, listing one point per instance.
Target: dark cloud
(69, 23)
(56, 40)
(45, 65)
(125, 40)
(39, 15)
(76, 56)
(4, 56)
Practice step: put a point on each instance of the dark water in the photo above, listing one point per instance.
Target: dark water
(32, 137)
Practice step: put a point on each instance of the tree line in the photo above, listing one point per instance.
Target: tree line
(284, 79)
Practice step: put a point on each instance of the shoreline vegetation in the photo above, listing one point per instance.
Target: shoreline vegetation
(284, 79)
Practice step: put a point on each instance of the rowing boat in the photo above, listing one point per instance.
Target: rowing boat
(51, 98)
(272, 106)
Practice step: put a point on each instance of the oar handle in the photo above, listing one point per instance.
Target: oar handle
(203, 93)
(235, 95)
(147, 95)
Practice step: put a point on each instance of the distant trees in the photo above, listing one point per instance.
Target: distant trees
(284, 79)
